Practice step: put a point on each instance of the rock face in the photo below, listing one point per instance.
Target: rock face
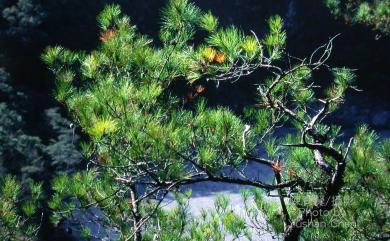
(93, 219)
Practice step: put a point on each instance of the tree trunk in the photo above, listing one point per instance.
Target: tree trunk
(286, 216)
(137, 231)
(327, 202)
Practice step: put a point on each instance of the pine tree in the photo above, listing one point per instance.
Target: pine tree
(146, 140)
(19, 209)
(375, 14)
(20, 153)
(20, 18)
(26, 155)
(62, 152)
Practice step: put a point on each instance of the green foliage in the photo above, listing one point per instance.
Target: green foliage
(109, 16)
(209, 22)
(86, 233)
(343, 77)
(364, 201)
(19, 217)
(375, 14)
(272, 212)
(28, 157)
(251, 47)
(180, 19)
(276, 39)
(228, 40)
(221, 132)
(261, 119)
(220, 223)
